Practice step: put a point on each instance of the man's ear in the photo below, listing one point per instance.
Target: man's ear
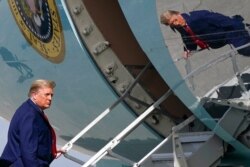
(33, 95)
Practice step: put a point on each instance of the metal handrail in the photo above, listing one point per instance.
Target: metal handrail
(174, 129)
(214, 61)
(114, 142)
(69, 145)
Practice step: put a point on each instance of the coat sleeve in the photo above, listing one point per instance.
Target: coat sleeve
(29, 141)
(233, 28)
(214, 28)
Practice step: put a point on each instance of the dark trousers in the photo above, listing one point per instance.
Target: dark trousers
(4, 163)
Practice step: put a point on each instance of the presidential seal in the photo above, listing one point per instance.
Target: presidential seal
(40, 24)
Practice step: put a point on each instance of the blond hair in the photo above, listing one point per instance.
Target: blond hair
(165, 17)
(40, 83)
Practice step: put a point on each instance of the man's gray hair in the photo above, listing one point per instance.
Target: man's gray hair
(165, 17)
(40, 83)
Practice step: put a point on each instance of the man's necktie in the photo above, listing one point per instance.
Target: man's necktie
(53, 134)
(202, 44)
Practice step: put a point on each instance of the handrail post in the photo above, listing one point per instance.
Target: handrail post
(237, 71)
(69, 145)
(174, 129)
(104, 151)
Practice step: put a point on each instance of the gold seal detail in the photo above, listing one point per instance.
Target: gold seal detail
(40, 24)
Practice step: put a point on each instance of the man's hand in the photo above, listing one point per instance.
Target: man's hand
(186, 54)
(60, 152)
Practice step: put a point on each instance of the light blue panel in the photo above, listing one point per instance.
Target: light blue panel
(142, 17)
(81, 93)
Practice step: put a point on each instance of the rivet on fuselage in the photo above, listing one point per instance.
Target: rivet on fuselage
(100, 47)
(87, 30)
(77, 10)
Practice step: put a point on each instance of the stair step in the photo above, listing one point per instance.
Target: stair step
(166, 156)
(185, 138)
(194, 137)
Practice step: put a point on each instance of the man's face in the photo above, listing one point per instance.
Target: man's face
(43, 97)
(177, 21)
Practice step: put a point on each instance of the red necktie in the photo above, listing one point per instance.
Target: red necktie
(53, 134)
(202, 44)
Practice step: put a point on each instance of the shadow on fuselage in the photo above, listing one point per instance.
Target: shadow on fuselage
(12, 61)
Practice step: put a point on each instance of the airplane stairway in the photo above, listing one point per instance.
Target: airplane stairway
(195, 149)
(181, 148)
(190, 149)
